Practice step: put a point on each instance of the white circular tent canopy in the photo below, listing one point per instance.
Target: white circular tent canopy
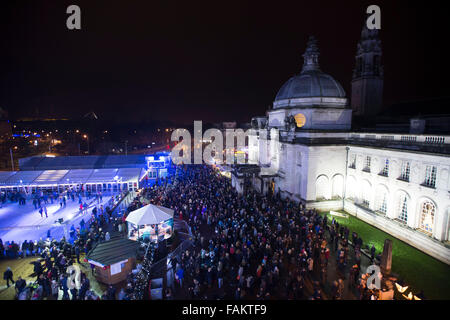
(149, 214)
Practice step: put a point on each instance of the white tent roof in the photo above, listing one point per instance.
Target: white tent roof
(50, 177)
(102, 175)
(150, 214)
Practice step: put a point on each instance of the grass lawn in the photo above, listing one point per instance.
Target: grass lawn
(417, 269)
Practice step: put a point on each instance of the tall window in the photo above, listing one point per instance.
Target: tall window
(366, 193)
(430, 176)
(352, 161)
(427, 211)
(366, 202)
(367, 163)
(403, 208)
(382, 201)
(406, 167)
(385, 170)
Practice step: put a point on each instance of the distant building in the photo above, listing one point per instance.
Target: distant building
(5, 129)
(5, 125)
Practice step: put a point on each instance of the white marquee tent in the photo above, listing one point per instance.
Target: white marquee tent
(150, 221)
(150, 214)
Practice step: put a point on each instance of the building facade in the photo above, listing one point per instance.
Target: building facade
(396, 182)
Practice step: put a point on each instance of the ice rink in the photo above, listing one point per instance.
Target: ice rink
(24, 222)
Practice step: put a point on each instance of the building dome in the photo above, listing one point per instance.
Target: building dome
(310, 83)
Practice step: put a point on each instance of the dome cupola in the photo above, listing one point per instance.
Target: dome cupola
(311, 87)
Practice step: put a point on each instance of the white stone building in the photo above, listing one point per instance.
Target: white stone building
(396, 182)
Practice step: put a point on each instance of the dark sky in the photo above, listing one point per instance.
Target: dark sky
(210, 61)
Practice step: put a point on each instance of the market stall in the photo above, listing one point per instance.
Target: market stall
(150, 222)
(113, 259)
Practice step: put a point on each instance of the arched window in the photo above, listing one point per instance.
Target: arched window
(337, 186)
(381, 202)
(402, 213)
(351, 188)
(321, 187)
(427, 211)
(366, 193)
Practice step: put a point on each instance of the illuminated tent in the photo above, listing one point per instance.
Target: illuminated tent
(150, 214)
(150, 221)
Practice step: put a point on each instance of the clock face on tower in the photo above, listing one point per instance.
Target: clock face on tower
(300, 119)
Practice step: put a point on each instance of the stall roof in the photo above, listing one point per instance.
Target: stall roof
(50, 177)
(113, 251)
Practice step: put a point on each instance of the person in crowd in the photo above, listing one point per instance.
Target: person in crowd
(8, 276)
(20, 285)
(244, 246)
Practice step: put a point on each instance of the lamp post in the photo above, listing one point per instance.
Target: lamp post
(345, 179)
(12, 159)
(87, 139)
(117, 179)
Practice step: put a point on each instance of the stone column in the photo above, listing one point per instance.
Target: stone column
(386, 257)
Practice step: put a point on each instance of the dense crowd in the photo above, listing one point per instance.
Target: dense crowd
(246, 246)
(254, 246)
(54, 257)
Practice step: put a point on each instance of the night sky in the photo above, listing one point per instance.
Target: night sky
(212, 61)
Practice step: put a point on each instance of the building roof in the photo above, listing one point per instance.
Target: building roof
(22, 177)
(82, 162)
(64, 177)
(310, 84)
(5, 175)
(102, 175)
(76, 176)
(113, 251)
(49, 176)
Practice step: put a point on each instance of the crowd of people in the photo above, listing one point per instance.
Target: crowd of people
(255, 247)
(55, 256)
(245, 246)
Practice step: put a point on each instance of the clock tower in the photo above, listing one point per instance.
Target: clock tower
(367, 82)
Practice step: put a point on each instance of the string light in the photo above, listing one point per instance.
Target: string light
(400, 288)
(144, 274)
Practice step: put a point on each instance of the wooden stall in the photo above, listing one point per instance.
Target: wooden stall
(113, 259)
